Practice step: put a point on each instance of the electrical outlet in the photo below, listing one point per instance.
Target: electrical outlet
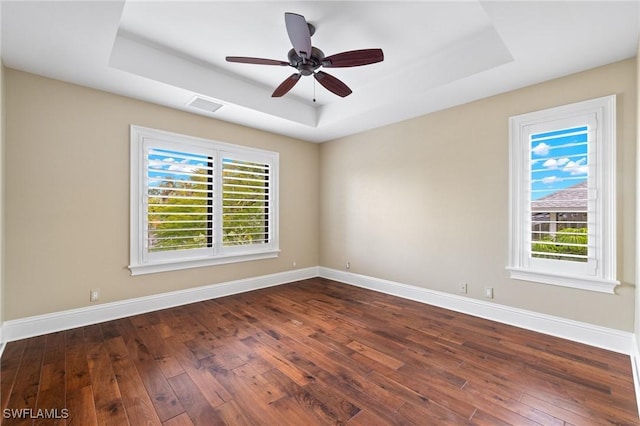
(488, 292)
(462, 288)
(295, 264)
(348, 265)
(94, 295)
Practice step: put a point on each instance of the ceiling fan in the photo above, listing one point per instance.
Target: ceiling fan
(307, 59)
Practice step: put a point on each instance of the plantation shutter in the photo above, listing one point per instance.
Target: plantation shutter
(561, 213)
(197, 202)
(246, 201)
(179, 200)
(559, 194)
(562, 195)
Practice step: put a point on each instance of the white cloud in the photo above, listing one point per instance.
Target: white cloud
(541, 149)
(183, 167)
(161, 164)
(553, 163)
(173, 165)
(551, 179)
(577, 167)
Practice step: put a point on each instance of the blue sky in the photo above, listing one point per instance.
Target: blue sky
(172, 164)
(558, 160)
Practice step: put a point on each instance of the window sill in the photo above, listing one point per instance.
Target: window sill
(573, 281)
(179, 264)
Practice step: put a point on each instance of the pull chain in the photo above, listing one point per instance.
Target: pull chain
(314, 90)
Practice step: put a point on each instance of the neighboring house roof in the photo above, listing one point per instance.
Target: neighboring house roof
(573, 198)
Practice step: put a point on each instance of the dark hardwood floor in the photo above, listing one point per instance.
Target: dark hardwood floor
(312, 352)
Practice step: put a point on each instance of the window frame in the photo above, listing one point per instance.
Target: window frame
(602, 181)
(144, 262)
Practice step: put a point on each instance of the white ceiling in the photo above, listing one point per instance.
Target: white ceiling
(437, 54)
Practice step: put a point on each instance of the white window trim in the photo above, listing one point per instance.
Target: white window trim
(139, 262)
(604, 280)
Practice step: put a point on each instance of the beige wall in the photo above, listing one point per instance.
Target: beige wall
(422, 202)
(67, 196)
(425, 201)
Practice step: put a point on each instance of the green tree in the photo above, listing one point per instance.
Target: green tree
(179, 213)
(555, 246)
(245, 203)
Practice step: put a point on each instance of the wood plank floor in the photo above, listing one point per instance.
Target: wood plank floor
(315, 352)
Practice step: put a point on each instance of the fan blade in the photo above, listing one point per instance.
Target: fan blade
(332, 84)
(259, 61)
(286, 85)
(299, 34)
(353, 58)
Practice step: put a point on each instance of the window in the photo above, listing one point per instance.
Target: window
(562, 196)
(196, 202)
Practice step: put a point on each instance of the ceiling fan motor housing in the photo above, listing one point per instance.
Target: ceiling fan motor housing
(306, 66)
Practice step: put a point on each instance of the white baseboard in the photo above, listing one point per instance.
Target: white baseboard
(65, 320)
(635, 366)
(593, 335)
(602, 337)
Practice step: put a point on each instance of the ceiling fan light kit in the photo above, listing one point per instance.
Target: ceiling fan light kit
(306, 59)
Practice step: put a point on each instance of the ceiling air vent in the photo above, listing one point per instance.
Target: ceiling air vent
(203, 104)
